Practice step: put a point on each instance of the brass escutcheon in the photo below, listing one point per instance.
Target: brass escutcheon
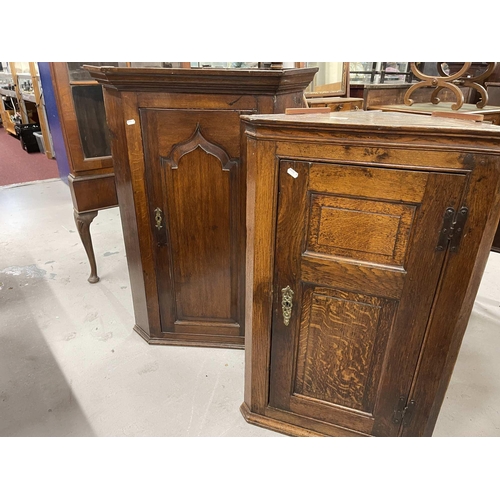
(158, 218)
(287, 304)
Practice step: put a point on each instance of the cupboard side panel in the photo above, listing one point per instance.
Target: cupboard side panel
(261, 224)
(129, 175)
(135, 151)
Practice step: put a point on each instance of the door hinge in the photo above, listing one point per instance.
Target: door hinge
(403, 412)
(452, 229)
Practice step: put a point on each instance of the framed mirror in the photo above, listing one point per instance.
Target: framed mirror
(332, 79)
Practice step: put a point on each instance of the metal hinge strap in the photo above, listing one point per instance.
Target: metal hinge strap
(403, 412)
(452, 229)
(458, 228)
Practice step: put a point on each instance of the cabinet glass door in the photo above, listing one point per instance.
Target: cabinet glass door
(91, 119)
(81, 108)
(88, 104)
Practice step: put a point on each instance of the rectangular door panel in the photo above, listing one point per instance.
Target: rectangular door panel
(341, 341)
(376, 232)
(199, 221)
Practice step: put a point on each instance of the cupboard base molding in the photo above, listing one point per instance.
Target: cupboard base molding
(275, 425)
(290, 429)
(238, 344)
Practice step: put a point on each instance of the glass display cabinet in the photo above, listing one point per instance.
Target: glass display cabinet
(83, 123)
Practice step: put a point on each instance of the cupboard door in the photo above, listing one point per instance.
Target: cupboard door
(194, 179)
(356, 270)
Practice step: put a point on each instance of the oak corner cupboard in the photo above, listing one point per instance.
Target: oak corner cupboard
(367, 237)
(175, 141)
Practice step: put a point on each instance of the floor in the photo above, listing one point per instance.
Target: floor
(18, 166)
(70, 364)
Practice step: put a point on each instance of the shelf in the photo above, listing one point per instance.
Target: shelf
(8, 93)
(28, 97)
(26, 113)
(84, 82)
(24, 95)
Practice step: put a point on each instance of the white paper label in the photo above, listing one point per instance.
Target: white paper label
(130, 122)
(292, 172)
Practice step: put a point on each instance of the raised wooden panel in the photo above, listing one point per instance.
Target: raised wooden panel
(374, 233)
(199, 220)
(197, 140)
(360, 229)
(341, 343)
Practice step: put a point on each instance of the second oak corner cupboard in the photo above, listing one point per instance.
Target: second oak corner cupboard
(367, 237)
(175, 141)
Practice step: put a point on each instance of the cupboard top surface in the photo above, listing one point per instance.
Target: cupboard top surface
(202, 80)
(375, 121)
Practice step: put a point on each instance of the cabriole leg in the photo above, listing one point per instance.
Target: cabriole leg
(83, 221)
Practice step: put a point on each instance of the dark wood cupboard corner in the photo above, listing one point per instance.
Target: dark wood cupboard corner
(367, 240)
(175, 137)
